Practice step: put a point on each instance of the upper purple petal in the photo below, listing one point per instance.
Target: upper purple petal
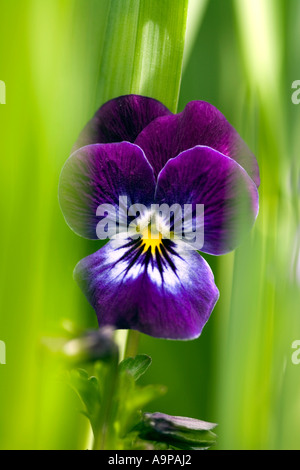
(204, 176)
(199, 124)
(167, 296)
(121, 119)
(100, 174)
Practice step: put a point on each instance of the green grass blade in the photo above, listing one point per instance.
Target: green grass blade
(143, 50)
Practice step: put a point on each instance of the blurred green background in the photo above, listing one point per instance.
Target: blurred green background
(242, 56)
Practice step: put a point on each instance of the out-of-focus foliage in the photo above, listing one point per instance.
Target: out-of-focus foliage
(113, 403)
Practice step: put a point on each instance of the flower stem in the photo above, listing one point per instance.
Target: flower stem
(104, 435)
(121, 341)
(132, 343)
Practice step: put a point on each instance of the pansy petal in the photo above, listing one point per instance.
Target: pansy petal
(204, 176)
(101, 174)
(121, 119)
(167, 296)
(199, 124)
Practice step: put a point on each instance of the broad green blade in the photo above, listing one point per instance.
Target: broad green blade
(143, 50)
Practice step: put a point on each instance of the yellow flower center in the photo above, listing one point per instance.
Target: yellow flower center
(151, 239)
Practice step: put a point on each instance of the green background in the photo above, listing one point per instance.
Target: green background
(242, 56)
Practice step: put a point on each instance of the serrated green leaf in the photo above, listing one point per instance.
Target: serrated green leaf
(143, 49)
(136, 366)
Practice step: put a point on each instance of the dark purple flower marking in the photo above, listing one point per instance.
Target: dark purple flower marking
(135, 148)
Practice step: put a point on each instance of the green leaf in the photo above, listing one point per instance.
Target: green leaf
(136, 366)
(132, 399)
(142, 49)
(87, 388)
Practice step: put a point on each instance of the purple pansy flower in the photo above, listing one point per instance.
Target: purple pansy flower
(134, 147)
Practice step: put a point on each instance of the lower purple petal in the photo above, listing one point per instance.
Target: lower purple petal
(171, 297)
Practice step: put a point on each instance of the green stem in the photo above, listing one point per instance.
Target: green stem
(132, 345)
(104, 435)
(121, 341)
(104, 432)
